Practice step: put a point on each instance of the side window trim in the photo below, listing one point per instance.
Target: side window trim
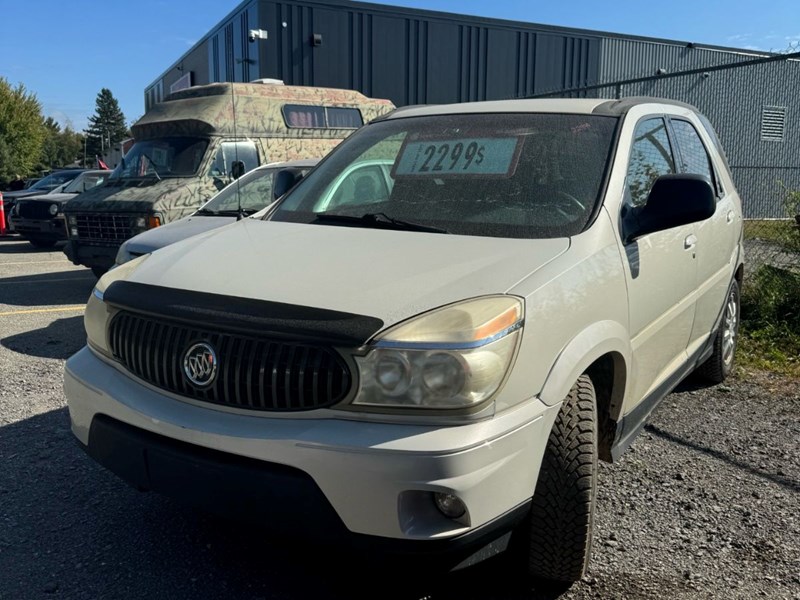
(718, 190)
(649, 117)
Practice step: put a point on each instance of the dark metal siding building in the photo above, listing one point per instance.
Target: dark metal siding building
(420, 57)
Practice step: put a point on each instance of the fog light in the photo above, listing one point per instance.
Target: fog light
(449, 505)
(54, 209)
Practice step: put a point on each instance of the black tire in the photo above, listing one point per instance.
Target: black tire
(557, 538)
(38, 242)
(717, 368)
(99, 271)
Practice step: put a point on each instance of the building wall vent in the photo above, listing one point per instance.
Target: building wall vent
(773, 123)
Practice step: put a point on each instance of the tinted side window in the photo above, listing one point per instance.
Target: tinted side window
(231, 151)
(321, 117)
(651, 157)
(693, 153)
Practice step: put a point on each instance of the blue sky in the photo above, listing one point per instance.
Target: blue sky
(65, 52)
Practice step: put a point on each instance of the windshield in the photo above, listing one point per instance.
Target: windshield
(85, 181)
(54, 180)
(500, 175)
(254, 189)
(165, 157)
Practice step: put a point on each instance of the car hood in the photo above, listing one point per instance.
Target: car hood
(391, 275)
(180, 194)
(22, 194)
(57, 197)
(152, 240)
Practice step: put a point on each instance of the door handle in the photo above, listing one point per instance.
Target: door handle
(730, 216)
(690, 242)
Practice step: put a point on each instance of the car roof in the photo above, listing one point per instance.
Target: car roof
(587, 106)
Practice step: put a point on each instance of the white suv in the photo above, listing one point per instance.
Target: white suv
(434, 362)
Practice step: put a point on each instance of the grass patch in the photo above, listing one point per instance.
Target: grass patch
(769, 350)
(782, 232)
(770, 327)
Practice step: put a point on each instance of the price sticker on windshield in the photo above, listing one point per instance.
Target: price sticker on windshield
(464, 156)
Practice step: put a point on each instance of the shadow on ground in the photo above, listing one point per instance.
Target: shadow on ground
(60, 339)
(47, 289)
(14, 244)
(71, 527)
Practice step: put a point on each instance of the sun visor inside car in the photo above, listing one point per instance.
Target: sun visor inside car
(218, 312)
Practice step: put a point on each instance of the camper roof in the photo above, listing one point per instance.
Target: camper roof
(206, 109)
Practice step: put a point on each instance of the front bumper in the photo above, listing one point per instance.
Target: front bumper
(87, 255)
(376, 479)
(54, 228)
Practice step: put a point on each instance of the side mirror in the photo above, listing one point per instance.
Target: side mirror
(674, 200)
(237, 169)
(285, 179)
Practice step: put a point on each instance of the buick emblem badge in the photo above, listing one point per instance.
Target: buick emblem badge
(200, 364)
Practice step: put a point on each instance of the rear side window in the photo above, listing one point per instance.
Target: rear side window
(651, 157)
(321, 117)
(694, 157)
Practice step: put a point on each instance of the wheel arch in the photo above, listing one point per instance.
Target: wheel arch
(603, 352)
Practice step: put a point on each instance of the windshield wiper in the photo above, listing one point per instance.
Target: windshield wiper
(205, 212)
(378, 220)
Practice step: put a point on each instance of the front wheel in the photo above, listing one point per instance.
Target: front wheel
(556, 539)
(717, 368)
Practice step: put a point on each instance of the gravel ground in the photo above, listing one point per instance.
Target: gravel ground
(705, 504)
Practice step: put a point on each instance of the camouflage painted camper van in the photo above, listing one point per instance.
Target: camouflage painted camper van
(186, 147)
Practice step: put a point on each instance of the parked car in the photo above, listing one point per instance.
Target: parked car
(44, 186)
(436, 371)
(40, 219)
(247, 195)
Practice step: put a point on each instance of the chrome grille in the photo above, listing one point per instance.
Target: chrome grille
(34, 210)
(252, 373)
(106, 229)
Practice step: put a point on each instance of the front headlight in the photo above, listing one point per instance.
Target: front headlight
(54, 209)
(97, 313)
(455, 357)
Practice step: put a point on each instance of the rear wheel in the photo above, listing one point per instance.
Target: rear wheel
(38, 242)
(717, 368)
(556, 539)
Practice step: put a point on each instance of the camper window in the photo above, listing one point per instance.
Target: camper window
(321, 117)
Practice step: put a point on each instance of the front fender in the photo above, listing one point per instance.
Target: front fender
(599, 339)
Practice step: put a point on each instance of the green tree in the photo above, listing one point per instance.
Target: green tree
(22, 131)
(49, 157)
(62, 147)
(107, 125)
